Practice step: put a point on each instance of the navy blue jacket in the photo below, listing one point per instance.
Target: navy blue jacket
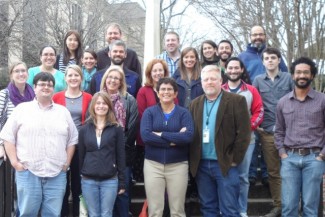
(196, 90)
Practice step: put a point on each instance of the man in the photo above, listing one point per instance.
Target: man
(117, 54)
(221, 138)
(40, 139)
(172, 53)
(131, 62)
(272, 85)
(234, 71)
(225, 50)
(300, 140)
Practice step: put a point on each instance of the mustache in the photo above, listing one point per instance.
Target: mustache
(304, 79)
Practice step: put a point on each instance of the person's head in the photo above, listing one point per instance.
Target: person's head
(117, 52)
(234, 69)
(44, 83)
(225, 49)
(271, 58)
(208, 50)
(156, 69)
(189, 61)
(18, 73)
(303, 72)
(73, 76)
(167, 90)
(89, 59)
(113, 32)
(258, 36)
(211, 81)
(47, 56)
(101, 106)
(72, 46)
(171, 42)
(113, 81)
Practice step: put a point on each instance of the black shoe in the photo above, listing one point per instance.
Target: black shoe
(265, 181)
(275, 212)
(252, 180)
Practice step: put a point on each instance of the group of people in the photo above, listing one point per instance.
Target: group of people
(81, 123)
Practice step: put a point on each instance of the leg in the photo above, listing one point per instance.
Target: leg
(243, 170)
(291, 184)
(75, 183)
(53, 193)
(107, 193)
(254, 161)
(29, 193)
(176, 179)
(65, 203)
(90, 191)
(155, 185)
(208, 188)
(121, 206)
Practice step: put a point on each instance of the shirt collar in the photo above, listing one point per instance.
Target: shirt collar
(311, 94)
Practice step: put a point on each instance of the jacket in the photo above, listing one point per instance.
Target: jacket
(196, 90)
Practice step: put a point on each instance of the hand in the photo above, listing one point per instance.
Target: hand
(18, 166)
(3, 153)
(283, 156)
(233, 164)
(121, 191)
(157, 133)
(66, 167)
(183, 130)
(260, 129)
(172, 144)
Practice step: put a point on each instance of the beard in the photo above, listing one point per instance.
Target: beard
(305, 85)
(117, 61)
(232, 78)
(225, 59)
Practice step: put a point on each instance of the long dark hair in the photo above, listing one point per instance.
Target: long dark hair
(66, 52)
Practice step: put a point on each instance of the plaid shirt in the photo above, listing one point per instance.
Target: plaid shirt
(172, 65)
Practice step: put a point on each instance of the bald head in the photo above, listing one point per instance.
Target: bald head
(258, 36)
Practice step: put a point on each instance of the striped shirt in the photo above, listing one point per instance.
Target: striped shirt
(10, 107)
(172, 65)
(41, 136)
(62, 66)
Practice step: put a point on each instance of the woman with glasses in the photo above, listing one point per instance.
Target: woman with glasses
(48, 58)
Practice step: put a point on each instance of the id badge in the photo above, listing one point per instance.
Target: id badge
(206, 135)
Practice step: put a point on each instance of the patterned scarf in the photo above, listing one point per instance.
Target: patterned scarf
(119, 110)
(16, 97)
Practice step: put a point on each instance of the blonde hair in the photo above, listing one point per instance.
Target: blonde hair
(122, 88)
(210, 68)
(13, 65)
(77, 69)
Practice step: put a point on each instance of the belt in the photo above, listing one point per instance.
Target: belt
(303, 151)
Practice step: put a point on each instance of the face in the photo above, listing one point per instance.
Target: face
(189, 60)
(112, 34)
(258, 37)
(302, 76)
(224, 51)
(48, 57)
(157, 72)
(211, 83)
(113, 82)
(73, 78)
(234, 71)
(171, 43)
(44, 90)
(88, 61)
(271, 61)
(72, 42)
(209, 51)
(101, 108)
(117, 55)
(19, 74)
(166, 93)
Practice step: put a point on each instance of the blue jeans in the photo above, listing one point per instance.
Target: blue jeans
(301, 176)
(99, 196)
(243, 169)
(255, 163)
(217, 194)
(35, 193)
(121, 206)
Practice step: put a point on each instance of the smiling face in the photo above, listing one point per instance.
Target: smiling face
(101, 107)
(88, 61)
(157, 72)
(211, 82)
(302, 76)
(234, 71)
(189, 60)
(117, 55)
(19, 74)
(73, 78)
(258, 37)
(271, 61)
(44, 90)
(112, 34)
(166, 94)
(48, 57)
(224, 51)
(209, 52)
(72, 43)
(113, 82)
(171, 43)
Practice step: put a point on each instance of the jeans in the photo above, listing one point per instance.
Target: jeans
(122, 202)
(99, 196)
(301, 176)
(243, 169)
(35, 193)
(217, 194)
(256, 162)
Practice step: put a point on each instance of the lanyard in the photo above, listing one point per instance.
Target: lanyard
(209, 112)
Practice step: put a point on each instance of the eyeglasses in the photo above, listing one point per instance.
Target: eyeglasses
(113, 78)
(45, 85)
(258, 34)
(20, 71)
(48, 54)
(169, 89)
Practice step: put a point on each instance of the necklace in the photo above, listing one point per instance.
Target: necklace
(99, 132)
(72, 98)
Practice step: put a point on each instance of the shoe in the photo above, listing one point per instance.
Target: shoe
(243, 214)
(275, 212)
(252, 180)
(265, 181)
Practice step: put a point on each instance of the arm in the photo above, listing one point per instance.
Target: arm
(81, 148)
(257, 110)
(279, 133)
(141, 101)
(92, 86)
(132, 121)
(120, 159)
(12, 154)
(70, 152)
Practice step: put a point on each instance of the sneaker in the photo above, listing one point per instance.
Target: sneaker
(243, 214)
(252, 180)
(275, 212)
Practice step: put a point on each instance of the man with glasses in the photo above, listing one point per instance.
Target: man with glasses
(40, 139)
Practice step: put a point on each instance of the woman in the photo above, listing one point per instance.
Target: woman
(77, 103)
(101, 157)
(188, 78)
(166, 130)
(146, 97)
(126, 112)
(72, 51)
(209, 53)
(48, 58)
(89, 61)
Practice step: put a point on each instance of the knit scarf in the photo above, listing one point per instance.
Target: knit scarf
(87, 77)
(16, 97)
(119, 110)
